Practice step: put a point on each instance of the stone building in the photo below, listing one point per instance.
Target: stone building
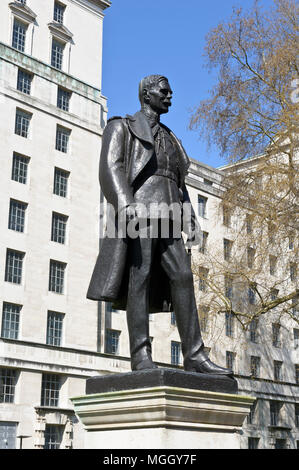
(53, 338)
(52, 118)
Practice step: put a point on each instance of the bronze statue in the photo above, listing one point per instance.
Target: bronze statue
(142, 163)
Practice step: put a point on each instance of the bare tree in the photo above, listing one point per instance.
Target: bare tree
(252, 116)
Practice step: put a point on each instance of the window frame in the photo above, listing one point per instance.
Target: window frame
(20, 268)
(112, 341)
(54, 286)
(17, 215)
(22, 123)
(55, 323)
(62, 139)
(18, 174)
(59, 228)
(50, 390)
(10, 325)
(18, 39)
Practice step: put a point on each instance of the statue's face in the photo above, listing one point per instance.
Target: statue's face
(159, 97)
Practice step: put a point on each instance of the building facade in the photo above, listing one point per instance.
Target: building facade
(52, 118)
(53, 338)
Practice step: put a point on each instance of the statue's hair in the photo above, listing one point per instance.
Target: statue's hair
(148, 82)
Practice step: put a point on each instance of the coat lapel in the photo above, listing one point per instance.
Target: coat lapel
(143, 147)
(140, 127)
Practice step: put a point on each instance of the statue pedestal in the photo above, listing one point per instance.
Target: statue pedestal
(162, 409)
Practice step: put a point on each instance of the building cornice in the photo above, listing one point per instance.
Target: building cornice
(95, 6)
(103, 4)
(60, 31)
(22, 11)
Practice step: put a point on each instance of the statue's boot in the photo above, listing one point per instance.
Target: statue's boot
(140, 344)
(195, 358)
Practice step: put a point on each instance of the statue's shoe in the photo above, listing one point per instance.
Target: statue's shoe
(206, 367)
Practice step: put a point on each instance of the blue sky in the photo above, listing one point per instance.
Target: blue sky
(143, 37)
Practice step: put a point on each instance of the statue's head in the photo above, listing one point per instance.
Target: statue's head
(155, 92)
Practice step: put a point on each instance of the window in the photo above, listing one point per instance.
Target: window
(112, 341)
(203, 246)
(293, 271)
(22, 1)
(17, 212)
(53, 436)
(280, 444)
(230, 360)
(295, 305)
(63, 99)
(8, 433)
(24, 81)
(227, 249)
(253, 442)
(22, 123)
(276, 335)
(59, 10)
(57, 54)
(202, 206)
(54, 328)
(249, 223)
(291, 241)
(8, 380)
(20, 168)
(203, 274)
(228, 287)
(10, 320)
(19, 35)
(60, 182)
(14, 266)
(59, 222)
(251, 415)
(296, 338)
(297, 373)
(271, 232)
(62, 139)
(251, 295)
(274, 294)
(229, 324)
(253, 327)
(277, 370)
(272, 265)
(173, 318)
(56, 278)
(226, 216)
(275, 407)
(50, 390)
(255, 363)
(250, 256)
(175, 353)
(203, 318)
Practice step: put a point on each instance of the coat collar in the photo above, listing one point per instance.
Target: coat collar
(140, 127)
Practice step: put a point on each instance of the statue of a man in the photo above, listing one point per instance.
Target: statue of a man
(142, 163)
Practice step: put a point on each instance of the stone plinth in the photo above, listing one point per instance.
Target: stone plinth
(162, 409)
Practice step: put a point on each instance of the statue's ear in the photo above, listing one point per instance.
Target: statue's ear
(145, 95)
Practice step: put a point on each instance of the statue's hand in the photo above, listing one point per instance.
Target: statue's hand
(193, 238)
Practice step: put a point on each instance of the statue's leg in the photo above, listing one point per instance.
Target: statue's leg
(140, 259)
(176, 263)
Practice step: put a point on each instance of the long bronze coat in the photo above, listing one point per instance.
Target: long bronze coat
(127, 146)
